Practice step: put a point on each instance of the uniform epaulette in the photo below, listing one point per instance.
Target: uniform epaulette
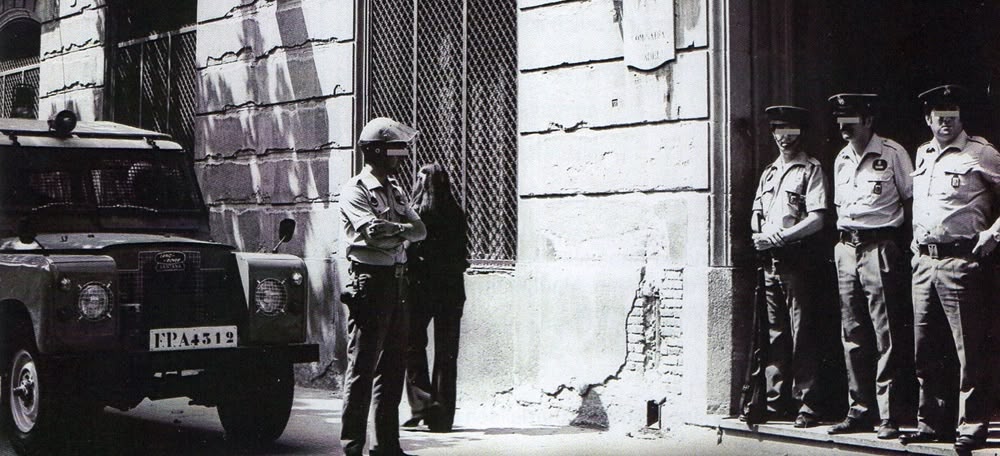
(813, 161)
(980, 140)
(925, 146)
(890, 144)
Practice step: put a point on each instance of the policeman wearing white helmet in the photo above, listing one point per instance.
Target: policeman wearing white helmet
(377, 219)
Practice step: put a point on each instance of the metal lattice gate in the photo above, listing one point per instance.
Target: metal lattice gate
(19, 87)
(450, 69)
(153, 84)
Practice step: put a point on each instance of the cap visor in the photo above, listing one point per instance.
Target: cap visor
(403, 133)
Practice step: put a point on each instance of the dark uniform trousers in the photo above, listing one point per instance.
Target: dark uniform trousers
(874, 312)
(440, 297)
(949, 294)
(792, 357)
(377, 323)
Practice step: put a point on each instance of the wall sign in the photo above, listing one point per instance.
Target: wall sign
(648, 31)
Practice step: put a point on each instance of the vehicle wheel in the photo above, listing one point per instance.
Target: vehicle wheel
(257, 415)
(30, 408)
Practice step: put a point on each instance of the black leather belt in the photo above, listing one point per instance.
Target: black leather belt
(396, 270)
(958, 248)
(858, 237)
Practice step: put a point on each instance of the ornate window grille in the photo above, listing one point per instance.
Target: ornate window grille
(19, 86)
(449, 67)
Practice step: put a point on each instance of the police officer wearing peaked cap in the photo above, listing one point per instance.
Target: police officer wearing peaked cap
(788, 209)
(377, 220)
(872, 189)
(955, 228)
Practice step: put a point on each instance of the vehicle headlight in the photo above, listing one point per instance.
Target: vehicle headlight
(271, 297)
(94, 302)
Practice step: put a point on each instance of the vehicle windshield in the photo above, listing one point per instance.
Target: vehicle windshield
(111, 185)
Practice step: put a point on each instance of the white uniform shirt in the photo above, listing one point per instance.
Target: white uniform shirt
(789, 191)
(870, 188)
(955, 189)
(364, 199)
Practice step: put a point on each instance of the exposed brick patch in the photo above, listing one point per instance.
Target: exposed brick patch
(653, 333)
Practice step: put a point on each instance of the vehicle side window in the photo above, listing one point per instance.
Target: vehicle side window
(49, 187)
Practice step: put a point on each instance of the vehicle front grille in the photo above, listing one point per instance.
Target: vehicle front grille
(171, 288)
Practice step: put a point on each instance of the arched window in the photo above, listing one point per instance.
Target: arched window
(20, 37)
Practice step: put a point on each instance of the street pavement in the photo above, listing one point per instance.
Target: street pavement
(172, 427)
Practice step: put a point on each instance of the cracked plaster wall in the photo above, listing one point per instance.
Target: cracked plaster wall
(607, 307)
(613, 180)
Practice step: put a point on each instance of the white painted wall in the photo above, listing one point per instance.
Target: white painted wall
(613, 179)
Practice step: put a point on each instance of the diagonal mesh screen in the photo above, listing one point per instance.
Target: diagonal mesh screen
(19, 87)
(450, 69)
(153, 85)
(391, 69)
(492, 115)
(183, 90)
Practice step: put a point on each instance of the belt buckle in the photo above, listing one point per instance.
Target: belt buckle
(932, 250)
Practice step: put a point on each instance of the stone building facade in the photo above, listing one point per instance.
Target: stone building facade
(627, 293)
(608, 304)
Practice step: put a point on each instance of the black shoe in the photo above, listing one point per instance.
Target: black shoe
(412, 422)
(887, 430)
(923, 437)
(438, 427)
(355, 448)
(805, 420)
(967, 443)
(849, 426)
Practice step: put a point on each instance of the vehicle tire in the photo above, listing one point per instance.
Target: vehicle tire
(258, 413)
(31, 408)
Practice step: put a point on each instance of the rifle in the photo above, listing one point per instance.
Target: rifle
(753, 399)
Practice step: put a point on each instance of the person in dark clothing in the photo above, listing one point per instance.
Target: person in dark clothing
(437, 292)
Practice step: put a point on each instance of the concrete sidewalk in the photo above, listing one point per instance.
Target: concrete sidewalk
(484, 437)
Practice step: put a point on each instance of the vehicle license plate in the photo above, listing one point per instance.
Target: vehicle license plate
(198, 338)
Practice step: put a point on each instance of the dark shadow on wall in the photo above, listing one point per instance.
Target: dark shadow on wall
(274, 123)
(591, 414)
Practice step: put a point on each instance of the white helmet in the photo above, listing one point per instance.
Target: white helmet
(384, 129)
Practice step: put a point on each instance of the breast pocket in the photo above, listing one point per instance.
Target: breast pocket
(795, 208)
(954, 180)
(878, 184)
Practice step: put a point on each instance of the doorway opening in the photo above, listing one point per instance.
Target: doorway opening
(804, 52)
